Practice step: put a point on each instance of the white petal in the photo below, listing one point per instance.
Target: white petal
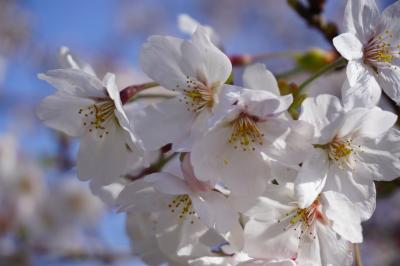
(75, 82)
(390, 20)
(382, 165)
(180, 241)
(213, 158)
(159, 59)
(370, 123)
(340, 211)
(215, 211)
(348, 46)
(202, 60)
(270, 240)
(357, 72)
(361, 191)
(68, 61)
(140, 196)
(104, 159)
(226, 110)
(312, 177)
(268, 262)
(287, 141)
(310, 251)
(320, 112)
(61, 112)
(389, 79)
(168, 184)
(163, 123)
(334, 250)
(257, 77)
(361, 17)
(271, 207)
(113, 92)
(365, 92)
(263, 104)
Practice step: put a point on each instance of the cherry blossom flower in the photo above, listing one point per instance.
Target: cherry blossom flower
(249, 126)
(186, 210)
(317, 234)
(371, 43)
(196, 70)
(188, 199)
(352, 149)
(86, 107)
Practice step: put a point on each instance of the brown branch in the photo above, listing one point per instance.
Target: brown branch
(312, 14)
(357, 255)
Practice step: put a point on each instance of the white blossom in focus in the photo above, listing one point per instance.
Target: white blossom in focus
(317, 234)
(371, 43)
(196, 70)
(91, 109)
(248, 127)
(352, 149)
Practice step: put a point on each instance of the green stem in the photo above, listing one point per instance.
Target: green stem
(298, 96)
(326, 69)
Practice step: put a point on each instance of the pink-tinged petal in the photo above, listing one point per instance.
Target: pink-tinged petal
(163, 123)
(168, 184)
(361, 17)
(191, 180)
(311, 178)
(344, 220)
(365, 92)
(321, 112)
(202, 60)
(215, 211)
(349, 46)
(159, 59)
(75, 82)
(359, 190)
(258, 77)
(61, 112)
(334, 251)
(370, 123)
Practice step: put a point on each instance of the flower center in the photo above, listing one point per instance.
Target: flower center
(196, 95)
(96, 115)
(182, 206)
(343, 152)
(379, 50)
(246, 132)
(303, 220)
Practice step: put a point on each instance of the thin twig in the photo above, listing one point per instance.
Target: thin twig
(357, 255)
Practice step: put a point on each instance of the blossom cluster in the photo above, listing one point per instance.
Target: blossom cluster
(253, 184)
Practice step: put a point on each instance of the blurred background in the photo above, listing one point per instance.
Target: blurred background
(47, 217)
